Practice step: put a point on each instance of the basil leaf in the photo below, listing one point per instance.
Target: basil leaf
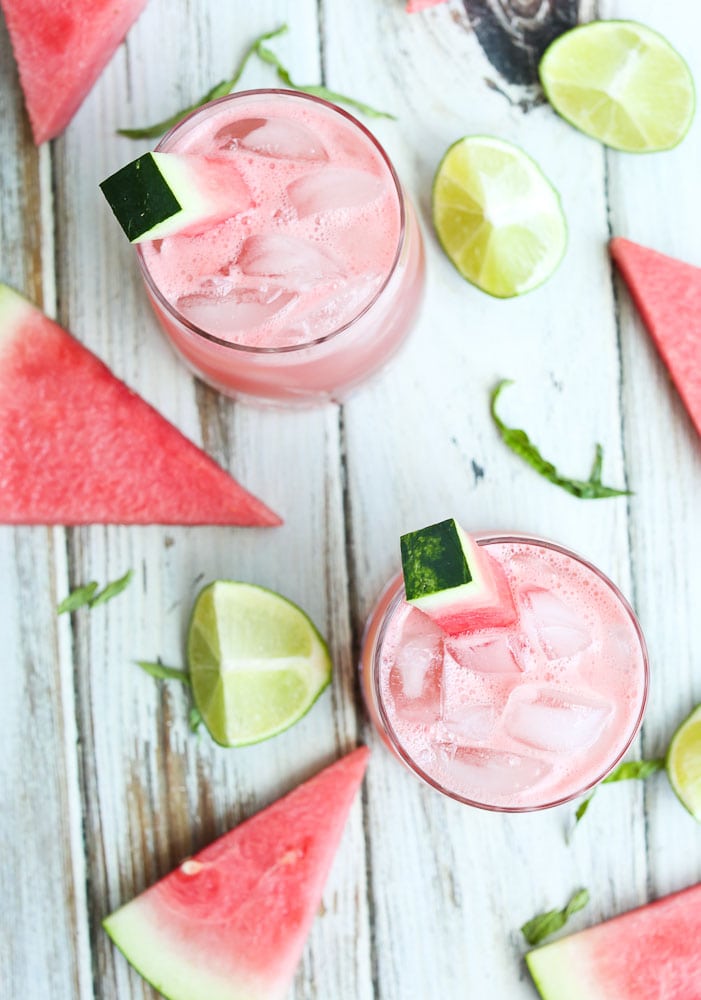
(225, 87)
(163, 673)
(520, 443)
(631, 770)
(318, 90)
(77, 598)
(112, 589)
(635, 769)
(545, 924)
(220, 89)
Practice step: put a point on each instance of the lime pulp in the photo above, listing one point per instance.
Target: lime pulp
(497, 216)
(684, 763)
(621, 83)
(257, 663)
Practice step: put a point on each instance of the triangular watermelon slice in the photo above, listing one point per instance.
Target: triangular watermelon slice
(652, 953)
(78, 447)
(61, 48)
(231, 922)
(667, 293)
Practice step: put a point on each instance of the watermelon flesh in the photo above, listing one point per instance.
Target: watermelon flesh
(414, 6)
(652, 953)
(667, 293)
(61, 47)
(231, 922)
(79, 447)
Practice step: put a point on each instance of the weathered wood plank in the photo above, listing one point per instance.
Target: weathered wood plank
(43, 939)
(654, 201)
(469, 879)
(153, 792)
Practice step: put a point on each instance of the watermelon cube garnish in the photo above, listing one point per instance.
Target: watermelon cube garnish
(61, 49)
(414, 6)
(231, 922)
(667, 293)
(164, 194)
(651, 953)
(454, 581)
(79, 447)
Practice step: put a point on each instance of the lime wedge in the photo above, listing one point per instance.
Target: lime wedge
(684, 763)
(497, 216)
(621, 83)
(256, 661)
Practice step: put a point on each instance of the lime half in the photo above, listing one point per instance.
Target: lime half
(684, 763)
(497, 216)
(621, 83)
(256, 661)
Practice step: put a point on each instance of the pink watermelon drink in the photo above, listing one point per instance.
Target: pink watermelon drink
(313, 281)
(519, 716)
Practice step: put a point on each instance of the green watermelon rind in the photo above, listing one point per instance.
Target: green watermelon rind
(325, 664)
(163, 194)
(146, 950)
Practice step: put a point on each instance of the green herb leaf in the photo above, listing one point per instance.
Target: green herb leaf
(194, 719)
(112, 589)
(163, 673)
(257, 48)
(519, 442)
(317, 90)
(220, 89)
(628, 771)
(77, 598)
(545, 924)
(635, 769)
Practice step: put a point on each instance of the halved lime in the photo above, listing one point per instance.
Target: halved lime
(257, 663)
(621, 83)
(497, 216)
(684, 763)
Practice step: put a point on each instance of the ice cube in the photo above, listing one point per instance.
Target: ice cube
(295, 262)
(465, 725)
(275, 137)
(489, 775)
(561, 631)
(340, 305)
(493, 655)
(333, 188)
(223, 307)
(415, 677)
(550, 719)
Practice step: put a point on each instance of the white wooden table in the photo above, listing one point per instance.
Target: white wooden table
(102, 787)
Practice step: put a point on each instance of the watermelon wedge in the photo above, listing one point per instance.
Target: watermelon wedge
(667, 293)
(414, 6)
(61, 48)
(78, 447)
(161, 194)
(651, 953)
(454, 581)
(231, 922)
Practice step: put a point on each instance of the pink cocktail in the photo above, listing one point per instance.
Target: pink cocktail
(315, 285)
(516, 718)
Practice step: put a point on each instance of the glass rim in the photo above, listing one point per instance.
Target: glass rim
(170, 309)
(393, 592)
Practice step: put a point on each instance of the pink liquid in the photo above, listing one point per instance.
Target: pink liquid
(312, 287)
(515, 718)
